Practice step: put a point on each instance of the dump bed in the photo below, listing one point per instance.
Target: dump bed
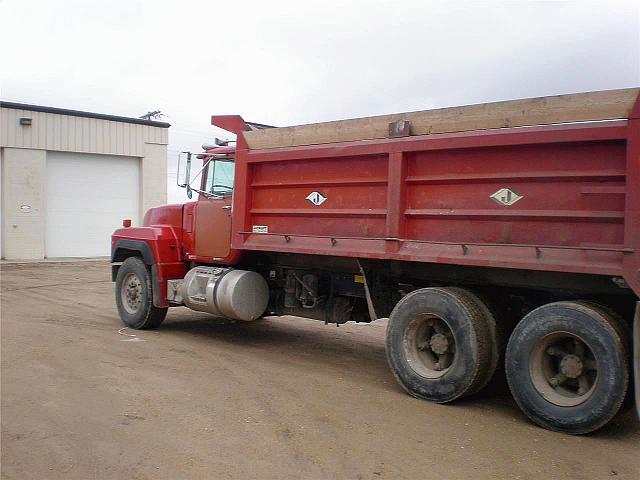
(542, 184)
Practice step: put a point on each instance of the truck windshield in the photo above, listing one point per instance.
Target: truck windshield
(220, 177)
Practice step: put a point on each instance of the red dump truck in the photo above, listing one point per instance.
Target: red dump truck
(502, 236)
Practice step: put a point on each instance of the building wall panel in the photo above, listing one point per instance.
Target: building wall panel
(23, 202)
(56, 132)
(153, 173)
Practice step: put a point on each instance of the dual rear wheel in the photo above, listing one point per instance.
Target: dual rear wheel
(568, 366)
(567, 363)
(442, 344)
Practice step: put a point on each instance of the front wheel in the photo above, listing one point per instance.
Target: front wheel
(134, 296)
(567, 365)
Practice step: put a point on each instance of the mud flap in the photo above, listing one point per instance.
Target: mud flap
(155, 285)
(636, 357)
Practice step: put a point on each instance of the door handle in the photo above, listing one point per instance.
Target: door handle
(227, 207)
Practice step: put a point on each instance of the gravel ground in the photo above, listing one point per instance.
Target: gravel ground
(278, 398)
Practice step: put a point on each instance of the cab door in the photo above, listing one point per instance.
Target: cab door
(213, 227)
(213, 213)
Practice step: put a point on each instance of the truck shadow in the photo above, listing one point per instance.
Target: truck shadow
(355, 351)
(295, 338)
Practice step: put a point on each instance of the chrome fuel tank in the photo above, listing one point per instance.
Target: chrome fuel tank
(225, 292)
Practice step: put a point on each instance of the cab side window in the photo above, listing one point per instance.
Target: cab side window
(220, 174)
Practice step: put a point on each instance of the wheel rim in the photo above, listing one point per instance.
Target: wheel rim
(429, 346)
(131, 293)
(563, 369)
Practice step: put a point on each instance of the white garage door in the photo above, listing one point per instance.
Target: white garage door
(88, 196)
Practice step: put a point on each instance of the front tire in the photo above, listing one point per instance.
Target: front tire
(134, 296)
(567, 365)
(441, 344)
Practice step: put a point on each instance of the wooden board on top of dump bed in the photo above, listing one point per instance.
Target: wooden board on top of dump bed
(579, 107)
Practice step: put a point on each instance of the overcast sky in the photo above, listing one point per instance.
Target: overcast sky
(292, 62)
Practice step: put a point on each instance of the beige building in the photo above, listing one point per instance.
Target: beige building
(69, 178)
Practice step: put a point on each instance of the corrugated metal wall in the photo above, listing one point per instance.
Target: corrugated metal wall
(51, 131)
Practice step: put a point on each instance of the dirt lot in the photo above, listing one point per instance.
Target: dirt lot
(279, 398)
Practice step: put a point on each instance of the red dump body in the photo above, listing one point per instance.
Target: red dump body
(428, 198)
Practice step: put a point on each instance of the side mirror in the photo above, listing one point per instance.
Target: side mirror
(187, 172)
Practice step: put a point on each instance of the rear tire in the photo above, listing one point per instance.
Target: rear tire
(440, 344)
(567, 366)
(496, 337)
(134, 296)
